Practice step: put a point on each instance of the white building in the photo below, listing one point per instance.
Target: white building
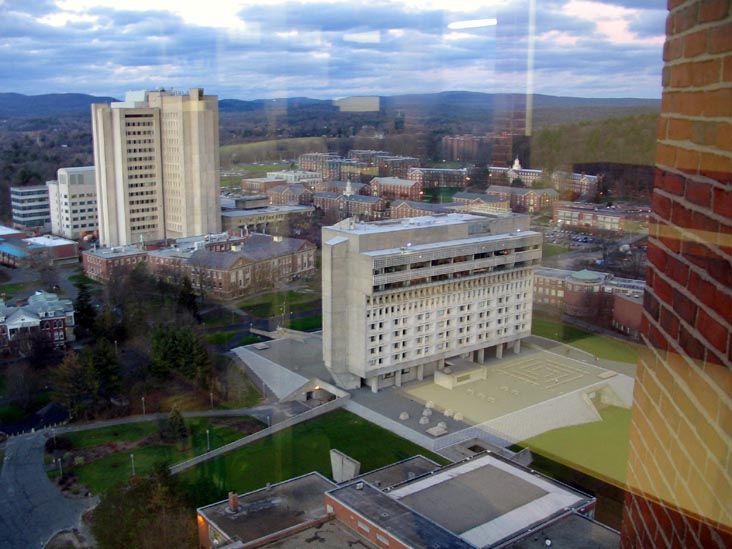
(401, 296)
(309, 179)
(157, 161)
(30, 207)
(73, 202)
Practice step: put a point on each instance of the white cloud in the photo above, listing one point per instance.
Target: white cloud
(611, 21)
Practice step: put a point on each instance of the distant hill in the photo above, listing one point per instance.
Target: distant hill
(626, 140)
(16, 105)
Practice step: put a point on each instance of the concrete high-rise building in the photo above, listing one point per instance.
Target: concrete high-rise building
(157, 160)
(401, 296)
(73, 201)
(680, 460)
(30, 207)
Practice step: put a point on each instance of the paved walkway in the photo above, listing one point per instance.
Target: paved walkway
(32, 509)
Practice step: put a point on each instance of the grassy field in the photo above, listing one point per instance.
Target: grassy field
(14, 288)
(599, 345)
(304, 448)
(81, 278)
(307, 323)
(271, 304)
(549, 250)
(220, 338)
(103, 473)
(599, 449)
(275, 149)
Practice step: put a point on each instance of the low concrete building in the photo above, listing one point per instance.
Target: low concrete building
(44, 317)
(272, 219)
(235, 201)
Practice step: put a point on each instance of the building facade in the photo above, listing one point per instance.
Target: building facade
(157, 160)
(395, 188)
(434, 178)
(45, 317)
(401, 296)
(31, 208)
(290, 194)
(523, 199)
(597, 216)
(679, 481)
(269, 220)
(73, 202)
(260, 185)
(351, 205)
(309, 179)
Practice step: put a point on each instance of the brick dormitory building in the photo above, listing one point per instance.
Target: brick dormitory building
(221, 266)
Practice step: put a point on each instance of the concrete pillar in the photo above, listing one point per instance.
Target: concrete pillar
(375, 384)
(420, 372)
(517, 346)
(499, 350)
(481, 356)
(398, 378)
(440, 364)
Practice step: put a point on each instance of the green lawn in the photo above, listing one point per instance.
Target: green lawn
(549, 250)
(307, 323)
(299, 450)
(14, 288)
(271, 304)
(81, 278)
(599, 449)
(599, 345)
(220, 338)
(103, 473)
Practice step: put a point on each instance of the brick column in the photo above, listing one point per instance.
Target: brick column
(680, 462)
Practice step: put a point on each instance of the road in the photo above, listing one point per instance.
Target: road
(32, 509)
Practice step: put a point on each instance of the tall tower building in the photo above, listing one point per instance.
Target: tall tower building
(680, 461)
(157, 159)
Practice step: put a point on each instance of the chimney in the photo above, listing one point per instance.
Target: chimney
(234, 502)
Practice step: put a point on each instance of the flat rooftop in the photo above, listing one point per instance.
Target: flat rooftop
(486, 499)
(413, 529)
(572, 532)
(330, 535)
(404, 224)
(269, 209)
(48, 241)
(270, 510)
(400, 472)
(482, 239)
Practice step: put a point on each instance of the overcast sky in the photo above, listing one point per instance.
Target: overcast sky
(249, 49)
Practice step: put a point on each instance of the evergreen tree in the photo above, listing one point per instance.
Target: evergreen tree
(187, 298)
(106, 368)
(75, 384)
(84, 313)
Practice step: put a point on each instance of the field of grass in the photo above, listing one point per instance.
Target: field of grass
(304, 448)
(14, 288)
(599, 449)
(271, 304)
(549, 250)
(81, 278)
(275, 149)
(103, 473)
(220, 338)
(307, 323)
(601, 346)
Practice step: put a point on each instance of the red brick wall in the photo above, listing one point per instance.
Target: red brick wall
(351, 519)
(680, 463)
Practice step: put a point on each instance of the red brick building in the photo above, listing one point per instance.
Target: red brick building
(260, 184)
(283, 195)
(394, 188)
(680, 462)
(45, 316)
(368, 208)
(523, 199)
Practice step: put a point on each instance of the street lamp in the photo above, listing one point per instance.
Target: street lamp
(211, 396)
(60, 466)
(143, 405)
(132, 459)
(208, 441)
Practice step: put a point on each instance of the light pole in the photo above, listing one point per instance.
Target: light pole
(211, 396)
(132, 459)
(208, 441)
(60, 466)
(143, 405)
